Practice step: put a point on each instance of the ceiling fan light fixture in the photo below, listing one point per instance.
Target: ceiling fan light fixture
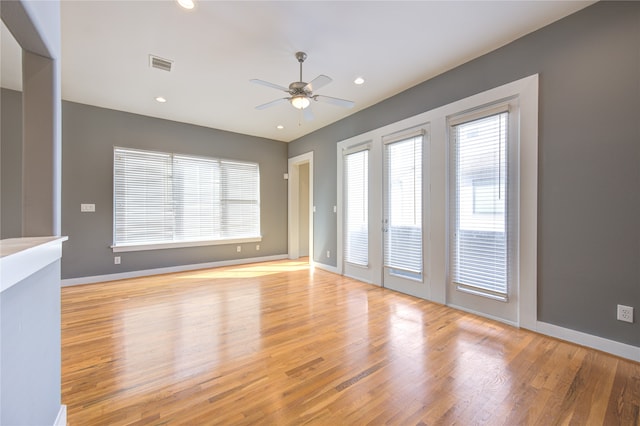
(300, 102)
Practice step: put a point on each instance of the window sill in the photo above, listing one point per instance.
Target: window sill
(182, 244)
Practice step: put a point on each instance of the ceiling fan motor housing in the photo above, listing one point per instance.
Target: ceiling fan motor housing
(298, 88)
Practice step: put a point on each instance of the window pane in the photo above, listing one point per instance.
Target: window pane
(240, 199)
(143, 208)
(480, 206)
(356, 246)
(403, 206)
(197, 195)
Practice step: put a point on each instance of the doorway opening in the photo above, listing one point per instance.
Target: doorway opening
(301, 206)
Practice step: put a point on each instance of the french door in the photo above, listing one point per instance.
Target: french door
(483, 213)
(383, 215)
(358, 240)
(403, 218)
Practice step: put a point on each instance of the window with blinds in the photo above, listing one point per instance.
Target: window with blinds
(162, 198)
(479, 213)
(403, 207)
(356, 177)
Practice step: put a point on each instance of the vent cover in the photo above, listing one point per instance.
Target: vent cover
(160, 63)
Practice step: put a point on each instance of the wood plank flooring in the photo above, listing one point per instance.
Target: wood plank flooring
(278, 344)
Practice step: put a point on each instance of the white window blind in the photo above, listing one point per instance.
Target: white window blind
(479, 212)
(196, 183)
(162, 198)
(143, 197)
(240, 199)
(403, 206)
(356, 176)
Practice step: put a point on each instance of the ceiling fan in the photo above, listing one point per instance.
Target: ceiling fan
(301, 93)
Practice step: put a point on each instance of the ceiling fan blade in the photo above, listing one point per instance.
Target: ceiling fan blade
(335, 101)
(272, 103)
(317, 83)
(308, 114)
(272, 85)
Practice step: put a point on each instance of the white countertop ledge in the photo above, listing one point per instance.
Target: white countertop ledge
(22, 257)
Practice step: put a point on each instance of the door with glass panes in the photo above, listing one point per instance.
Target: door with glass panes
(403, 199)
(483, 212)
(358, 240)
(383, 232)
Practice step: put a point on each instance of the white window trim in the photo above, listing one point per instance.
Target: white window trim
(169, 245)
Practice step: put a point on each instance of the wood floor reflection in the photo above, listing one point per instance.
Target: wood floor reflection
(277, 343)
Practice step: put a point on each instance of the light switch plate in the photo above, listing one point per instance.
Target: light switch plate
(88, 208)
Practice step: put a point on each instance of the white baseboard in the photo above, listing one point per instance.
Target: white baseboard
(167, 270)
(612, 347)
(61, 419)
(622, 350)
(324, 267)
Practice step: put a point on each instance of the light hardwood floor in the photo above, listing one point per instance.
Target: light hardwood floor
(276, 343)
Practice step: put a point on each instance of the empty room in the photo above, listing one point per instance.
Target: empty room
(319, 212)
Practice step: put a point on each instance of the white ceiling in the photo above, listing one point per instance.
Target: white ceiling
(220, 45)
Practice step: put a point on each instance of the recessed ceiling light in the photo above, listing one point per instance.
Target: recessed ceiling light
(359, 81)
(279, 127)
(161, 99)
(187, 4)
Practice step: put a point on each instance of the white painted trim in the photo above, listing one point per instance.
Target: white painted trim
(179, 244)
(61, 419)
(293, 204)
(146, 272)
(22, 257)
(327, 268)
(622, 350)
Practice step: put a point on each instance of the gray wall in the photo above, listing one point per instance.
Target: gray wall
(30, 349)
(589, 159)
(10, 164)
(89, 135)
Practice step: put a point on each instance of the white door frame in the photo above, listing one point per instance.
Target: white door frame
(294, 204)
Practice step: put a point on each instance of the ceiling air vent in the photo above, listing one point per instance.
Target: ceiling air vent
(159, 63)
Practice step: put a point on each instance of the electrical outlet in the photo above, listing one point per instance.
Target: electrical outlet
(238, 249)
(257, 247)
(328, 253)
(116, 260)
(625, 313)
